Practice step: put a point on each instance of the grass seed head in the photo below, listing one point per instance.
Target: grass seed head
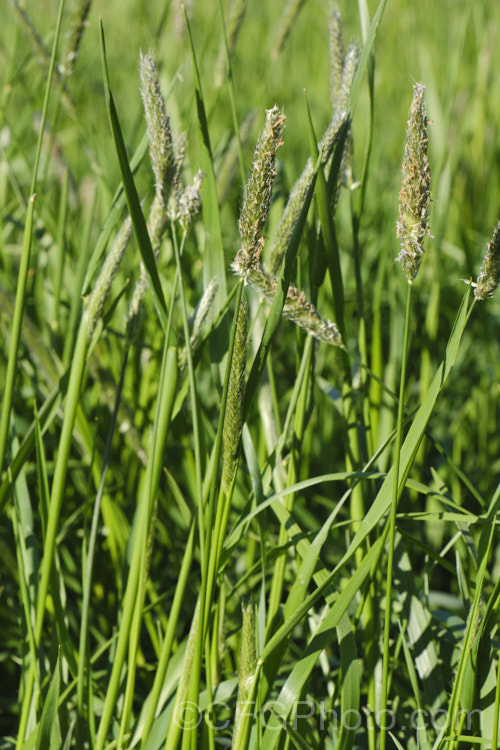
(189, 202)
(247, 664)
(351, 63)
(248, 660)
(95, 303)
(335, 131)
(257, 194)
(489, 275)
(202, 309)
(159, 132)
(297, 308)
(78, 24)
(336, 55)
(233, 418)
(415, 196)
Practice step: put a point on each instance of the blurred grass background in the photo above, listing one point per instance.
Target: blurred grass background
(451, 46)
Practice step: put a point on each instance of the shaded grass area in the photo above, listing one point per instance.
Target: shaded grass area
(151, 560)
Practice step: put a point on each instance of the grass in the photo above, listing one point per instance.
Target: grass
(247, 500)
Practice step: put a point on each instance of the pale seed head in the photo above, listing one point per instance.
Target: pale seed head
(415, 196)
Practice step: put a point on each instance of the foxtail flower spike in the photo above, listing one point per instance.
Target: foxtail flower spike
(233, 418)
(257, 194)
(256, 203)
(415, 196)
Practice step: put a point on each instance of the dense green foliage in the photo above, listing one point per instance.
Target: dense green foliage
(148, 556)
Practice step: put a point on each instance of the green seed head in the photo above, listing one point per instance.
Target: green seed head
(336, 55)
(247, 662)
(95, 303)
(489, 275)
(233, 419)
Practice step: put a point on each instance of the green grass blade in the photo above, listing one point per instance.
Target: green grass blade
(16, 330)
(134, 206)
(352, 670)
(27, 563)
(57, 589)
(415, 434)
(366, 53)
(76, 300)
(83, 656)
(166, 393)
(214, 265)
(49, 711)
(423, 740)
(168, 383)
(46, 415)
(60, 248)
(292, 689)
(298, 742)
(113, 218)
(327, 223)
(25, 259)
(168, 642)
(56, 498)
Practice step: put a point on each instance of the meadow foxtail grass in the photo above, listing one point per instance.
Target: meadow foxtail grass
(224, 524)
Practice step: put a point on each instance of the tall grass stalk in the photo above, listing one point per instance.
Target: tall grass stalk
(55, 504)
(25, 258)
(134, 592)
(204, 531)
(414, 200)
(396, 493)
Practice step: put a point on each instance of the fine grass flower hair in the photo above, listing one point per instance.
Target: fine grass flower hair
(415, 195)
